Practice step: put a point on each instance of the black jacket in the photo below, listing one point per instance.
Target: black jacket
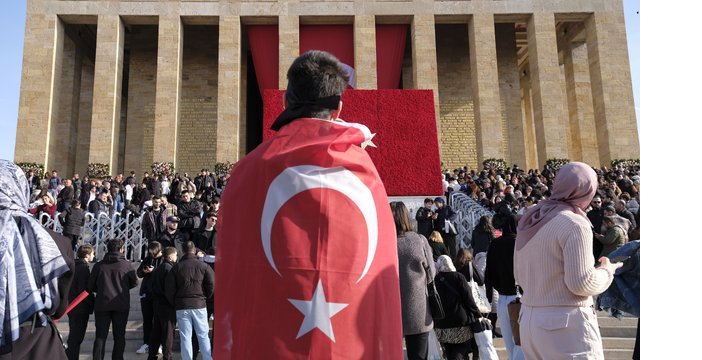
(189, 214)
(190, 283)
(146, 283)
(499, 268)
(72, 220)
(80, 284)
(111, 280)
(480, 240)
(443, 214)
(96, 207)
(153, 224)
(176, 239)
(424, 223)
(456, 299)
(438, 249)
(158, 283)
(205, 240)
(64, 282)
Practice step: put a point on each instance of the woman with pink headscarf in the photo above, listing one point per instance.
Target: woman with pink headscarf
(552, 263)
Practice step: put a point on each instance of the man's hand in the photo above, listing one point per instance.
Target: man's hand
(609, 266)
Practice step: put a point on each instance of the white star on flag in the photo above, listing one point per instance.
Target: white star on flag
(369, 142)
(318, 313)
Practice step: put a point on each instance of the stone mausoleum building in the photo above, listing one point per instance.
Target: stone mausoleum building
(132, 82)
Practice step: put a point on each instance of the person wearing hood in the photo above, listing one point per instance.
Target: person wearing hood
(110, 281)
(499, 275)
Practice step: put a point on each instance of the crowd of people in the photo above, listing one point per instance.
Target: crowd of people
(611, 210)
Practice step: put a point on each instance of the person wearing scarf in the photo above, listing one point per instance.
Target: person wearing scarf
(36, 272)
(553, 265)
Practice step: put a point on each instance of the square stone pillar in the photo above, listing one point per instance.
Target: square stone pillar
(107, 92)
(39, 89)
(288, 46)
(582, 121)
(508, 74)
(228, 89)
(64, 129)
(169, 70)
(532, 160)
(365, 61)
(424, 68)
(486, 87)
(547, 97)
(612, 94)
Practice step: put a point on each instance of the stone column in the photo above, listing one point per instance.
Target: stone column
(365, 61)
(228, 89)
(288, 45)
(486, 87)
(64, 128)
(612, 94)
(547, 97)
(508, 74)
(39, 90)
(582, 122)
(532, 160)
(424, 69)
(107, 92)
(169, 70)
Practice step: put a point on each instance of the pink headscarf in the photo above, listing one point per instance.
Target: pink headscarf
(573, 189)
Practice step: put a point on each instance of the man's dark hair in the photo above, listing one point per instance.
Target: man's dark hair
(428, 201)
(169, 250)
(211, 214)
(75, 203)
(184, 192)
(115, 245)
(84, 250)
(155, 245)
(315, 75)
(188, 247)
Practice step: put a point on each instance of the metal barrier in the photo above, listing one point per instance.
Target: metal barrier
(468, 213)
(98, 230)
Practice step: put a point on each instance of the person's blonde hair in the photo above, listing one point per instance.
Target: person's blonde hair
(435, 236)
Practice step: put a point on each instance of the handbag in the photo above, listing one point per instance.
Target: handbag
(449, 228)
(433, 298)
(483, 339)
(513, 309)
(478, 293)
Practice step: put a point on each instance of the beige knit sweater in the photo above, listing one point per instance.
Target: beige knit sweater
(555, 267)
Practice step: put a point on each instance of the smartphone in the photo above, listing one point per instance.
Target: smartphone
(620, 258)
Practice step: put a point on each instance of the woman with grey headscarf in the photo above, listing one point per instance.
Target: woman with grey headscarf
(35, 275)
(553, 264)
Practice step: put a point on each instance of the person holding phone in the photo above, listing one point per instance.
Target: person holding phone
(145, 270)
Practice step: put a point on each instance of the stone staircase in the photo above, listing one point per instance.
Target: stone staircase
(618, 336)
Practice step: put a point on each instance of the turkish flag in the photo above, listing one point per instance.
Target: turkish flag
(307, 255)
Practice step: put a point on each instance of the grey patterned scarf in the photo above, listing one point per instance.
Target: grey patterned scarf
(30, 261)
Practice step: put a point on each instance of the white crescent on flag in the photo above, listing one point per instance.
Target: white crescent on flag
(297, 179)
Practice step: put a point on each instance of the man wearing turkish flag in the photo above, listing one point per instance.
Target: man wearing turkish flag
(307, 262)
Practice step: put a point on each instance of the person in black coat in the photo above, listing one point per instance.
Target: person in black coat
(499, 275)
(461, 314)
(189, 214)
(164, 313)
(443, 213)
(72, 220)
(205, 239)
(78, 317)
(596, 216)
(172, 236)
(145, 271)
(424, 219)
(110, 280)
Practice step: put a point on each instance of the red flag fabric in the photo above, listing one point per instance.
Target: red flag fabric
(73, 304)
(307, 261)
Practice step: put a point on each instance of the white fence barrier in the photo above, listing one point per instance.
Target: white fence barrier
(98, 230)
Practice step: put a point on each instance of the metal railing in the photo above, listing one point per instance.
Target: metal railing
(98, 230)
(468, 213)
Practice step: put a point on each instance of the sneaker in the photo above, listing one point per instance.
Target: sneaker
(160, 350)
(143, 349)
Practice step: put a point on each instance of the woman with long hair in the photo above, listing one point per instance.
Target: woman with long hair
(436, 242)
(416, 271)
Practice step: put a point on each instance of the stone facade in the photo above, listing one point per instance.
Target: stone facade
(151, 81)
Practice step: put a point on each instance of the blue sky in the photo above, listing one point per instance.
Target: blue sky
(12, 19)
